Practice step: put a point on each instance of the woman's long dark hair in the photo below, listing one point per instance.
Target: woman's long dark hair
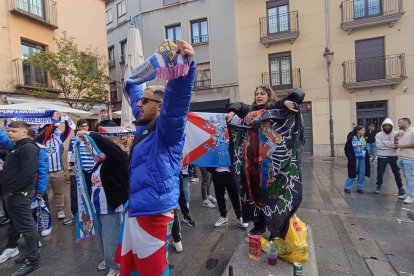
(356, 129)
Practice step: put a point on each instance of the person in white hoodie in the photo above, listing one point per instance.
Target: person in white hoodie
(387, 154)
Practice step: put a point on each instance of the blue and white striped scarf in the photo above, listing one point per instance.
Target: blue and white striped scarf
(86, 225)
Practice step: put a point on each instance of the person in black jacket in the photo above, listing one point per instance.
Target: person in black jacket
(18, 188)
(264, 98)
(371, 143)
(109, 191)
(105, 120)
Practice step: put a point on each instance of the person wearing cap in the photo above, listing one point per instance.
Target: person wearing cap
(387, 155)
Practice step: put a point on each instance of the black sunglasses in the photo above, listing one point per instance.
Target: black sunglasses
(144, 100)
(264, 86)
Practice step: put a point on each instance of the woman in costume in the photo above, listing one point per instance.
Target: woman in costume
(358, 159)
(257, 187)
(109, 191)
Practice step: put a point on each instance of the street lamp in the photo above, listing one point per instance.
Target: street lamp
(328, 55)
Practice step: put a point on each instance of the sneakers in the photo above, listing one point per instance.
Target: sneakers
(359, 191)
(178, 246)
(69, 220)
(378, 190)
(241, 224)
(403, 196)
(61, 214)
(212, 199)
(401, 192)
(347, 191)
(194, 179)
(4, 220)
(408, 200)
(189, 221)
(113, 272)
(27, 267)
(207, 203)
(46, 232)
(8, 253)
(221, 221)
(101, 266)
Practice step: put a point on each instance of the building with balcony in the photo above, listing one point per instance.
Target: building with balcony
(208, 25)
(281, 43)
(29, 26)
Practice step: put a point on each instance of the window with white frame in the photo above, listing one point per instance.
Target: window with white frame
(123, 45)
(109, 16)
(35, 7)
(121, 8)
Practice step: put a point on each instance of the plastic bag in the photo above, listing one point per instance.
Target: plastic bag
(294, 248)
(41, 212)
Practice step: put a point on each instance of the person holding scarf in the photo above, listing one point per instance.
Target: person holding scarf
(109, 185)
(358, 159)
(263, 99)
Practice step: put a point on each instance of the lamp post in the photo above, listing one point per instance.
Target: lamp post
(328, 55)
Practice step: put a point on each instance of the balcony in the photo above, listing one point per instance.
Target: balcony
(280, 82)
(111, 63)
(28, 77)
(283, 27)
(202, 84)
(374, 72)
(43, 12)
(360, 14)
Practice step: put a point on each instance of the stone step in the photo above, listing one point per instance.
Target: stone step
(243, 265)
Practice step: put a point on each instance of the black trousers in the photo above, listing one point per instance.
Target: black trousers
(182, 201)
(73, 195)
(382, 164)
(176, 228)
(223, 181)
(21, 222)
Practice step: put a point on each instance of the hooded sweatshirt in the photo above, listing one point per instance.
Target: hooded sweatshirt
(385, 142)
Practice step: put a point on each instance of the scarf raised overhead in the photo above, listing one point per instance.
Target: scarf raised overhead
(165, 64)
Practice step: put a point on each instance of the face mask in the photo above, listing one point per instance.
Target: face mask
(104, 118)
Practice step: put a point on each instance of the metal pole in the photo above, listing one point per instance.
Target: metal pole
(328, 42)
(331, 130)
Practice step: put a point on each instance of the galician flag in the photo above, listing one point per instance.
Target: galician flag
(206, 140)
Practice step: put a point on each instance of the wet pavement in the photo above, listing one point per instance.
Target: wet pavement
(354, 234)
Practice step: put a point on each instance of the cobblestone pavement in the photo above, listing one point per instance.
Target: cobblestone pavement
(354, 234)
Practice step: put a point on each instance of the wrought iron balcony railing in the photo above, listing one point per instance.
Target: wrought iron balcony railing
(365, 13)
(283, 80)
(43, 11)
(206, 83)
(282, 27)
(199, 39)
(374, 72)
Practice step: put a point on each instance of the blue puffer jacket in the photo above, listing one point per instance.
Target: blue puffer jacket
(43, 166)
(155, 161)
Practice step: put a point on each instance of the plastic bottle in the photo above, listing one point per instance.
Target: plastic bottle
(272, 256)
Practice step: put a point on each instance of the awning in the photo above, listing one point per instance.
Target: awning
(216, 106)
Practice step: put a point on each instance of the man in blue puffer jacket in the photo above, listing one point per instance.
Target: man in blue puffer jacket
(155, 156)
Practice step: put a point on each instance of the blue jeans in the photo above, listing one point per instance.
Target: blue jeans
(107, 240)
(372, 150)
(360, 166)
(407, 168)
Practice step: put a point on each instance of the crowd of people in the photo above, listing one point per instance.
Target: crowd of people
(385, 147)
(137, 186)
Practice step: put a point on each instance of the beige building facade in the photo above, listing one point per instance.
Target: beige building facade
(282, 42)
(27, 25)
